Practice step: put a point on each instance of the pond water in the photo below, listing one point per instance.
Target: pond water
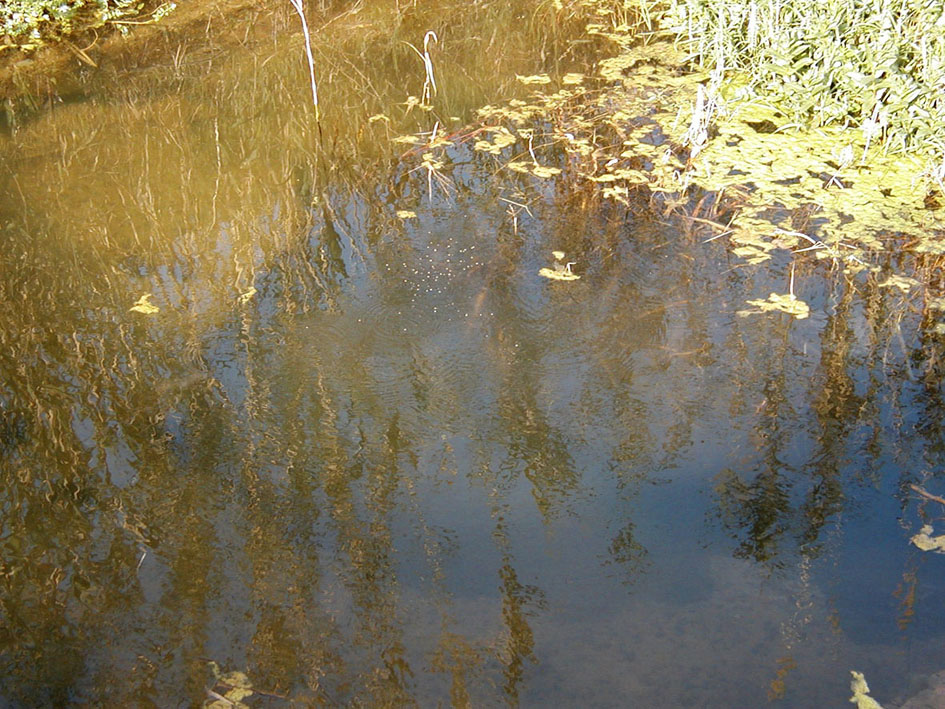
(378, 460)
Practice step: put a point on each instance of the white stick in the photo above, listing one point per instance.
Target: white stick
(297, 4)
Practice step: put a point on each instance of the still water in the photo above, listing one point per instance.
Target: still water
(377, 460)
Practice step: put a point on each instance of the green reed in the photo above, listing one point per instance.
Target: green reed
(878, 66)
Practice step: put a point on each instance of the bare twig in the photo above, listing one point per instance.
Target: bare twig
(928, 495)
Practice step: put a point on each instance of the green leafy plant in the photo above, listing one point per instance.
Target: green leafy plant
(27, 24)
(875, 66)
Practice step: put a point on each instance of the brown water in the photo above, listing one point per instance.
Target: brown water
(407, 469)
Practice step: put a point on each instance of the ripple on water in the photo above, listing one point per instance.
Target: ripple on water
(458, 381)
(421, 340)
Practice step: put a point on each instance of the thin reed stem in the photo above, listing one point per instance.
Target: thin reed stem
(297, 4)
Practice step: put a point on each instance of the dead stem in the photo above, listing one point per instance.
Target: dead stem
(297, 4)
(928, 495)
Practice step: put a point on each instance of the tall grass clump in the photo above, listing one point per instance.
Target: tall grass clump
(877, 65)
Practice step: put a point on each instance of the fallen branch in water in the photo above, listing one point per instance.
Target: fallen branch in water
(928, 495)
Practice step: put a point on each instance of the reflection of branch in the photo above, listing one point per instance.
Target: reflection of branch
(928, 495)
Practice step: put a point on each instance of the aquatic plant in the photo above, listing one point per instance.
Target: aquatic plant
(878, 67)
(653, 129)
(561, 270)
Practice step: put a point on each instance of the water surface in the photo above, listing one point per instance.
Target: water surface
(380, 461)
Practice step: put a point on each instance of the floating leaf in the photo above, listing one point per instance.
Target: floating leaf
(561, 271)
(606, 177)
(503, 138)
(230, 689)
(752, 254)
(787, 303)
(558, 275)
(937, 303)
(572, 78)
(903, 283)
(406, 214)
(861, 692)
(518, 166)
(430, 162)
(926, 542)
(144, 305)
(618, 193)
(534, 79)
(543, 171)
(634, 176)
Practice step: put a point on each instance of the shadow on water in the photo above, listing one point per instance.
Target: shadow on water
(370, 458)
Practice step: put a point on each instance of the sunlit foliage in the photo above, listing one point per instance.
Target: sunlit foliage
(28, 23)
(876, 66)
